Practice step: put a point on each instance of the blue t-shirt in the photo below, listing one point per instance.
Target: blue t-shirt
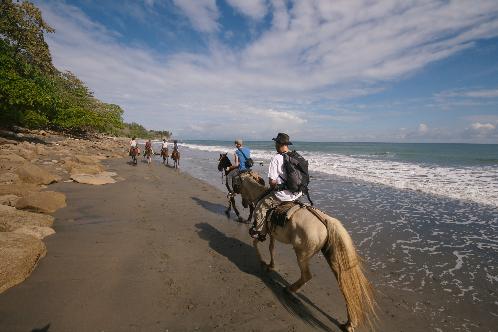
(242, 159)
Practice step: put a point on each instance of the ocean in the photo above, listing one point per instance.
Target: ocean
(423, 216)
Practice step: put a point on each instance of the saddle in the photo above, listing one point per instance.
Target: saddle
(281, 214)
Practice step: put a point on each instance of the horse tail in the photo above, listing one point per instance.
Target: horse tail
(346, 264)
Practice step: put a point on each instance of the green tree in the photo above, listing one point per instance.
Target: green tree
(23, 28)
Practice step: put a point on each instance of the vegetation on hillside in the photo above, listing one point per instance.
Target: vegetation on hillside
(34, 94)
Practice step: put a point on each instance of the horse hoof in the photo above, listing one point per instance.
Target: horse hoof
(347, 327)
(227, 213)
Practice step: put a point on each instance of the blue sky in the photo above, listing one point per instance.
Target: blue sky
(320, 70)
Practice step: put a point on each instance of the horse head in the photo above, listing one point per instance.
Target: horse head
(223, 162)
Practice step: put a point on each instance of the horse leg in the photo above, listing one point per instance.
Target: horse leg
(303, 262)
(251, 211)
(232, 199)
(271, 248)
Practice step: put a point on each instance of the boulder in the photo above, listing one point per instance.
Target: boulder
(95, 179)
(86, 169)
(30, 173)
(18, 189)
(35, 231)
(85, 159)
(19, 254)
(9, 200)
(9, 177)
(12, 219)
(43, 201)
(11, 157)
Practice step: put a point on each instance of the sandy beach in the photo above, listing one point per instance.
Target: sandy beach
(154, 252)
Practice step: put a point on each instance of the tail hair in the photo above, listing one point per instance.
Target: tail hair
(347, 267)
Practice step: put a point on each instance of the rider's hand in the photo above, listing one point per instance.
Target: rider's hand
(227, 169)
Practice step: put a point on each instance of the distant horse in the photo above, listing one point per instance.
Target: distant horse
(223, 163)
(165, 155)
(134, 152)
(175, 155)
(309, 231)
(148, 153)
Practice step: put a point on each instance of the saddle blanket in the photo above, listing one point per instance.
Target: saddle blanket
(281, 214)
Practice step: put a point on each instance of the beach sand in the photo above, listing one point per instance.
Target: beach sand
(155, 252)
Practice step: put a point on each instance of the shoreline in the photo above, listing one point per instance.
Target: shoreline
(169, 254)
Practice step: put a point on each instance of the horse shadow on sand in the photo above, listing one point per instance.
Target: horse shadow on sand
(215, 208)
(244, 257)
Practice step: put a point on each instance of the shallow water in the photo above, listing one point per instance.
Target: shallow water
(443, 250)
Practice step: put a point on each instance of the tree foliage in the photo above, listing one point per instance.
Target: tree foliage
(33, 93)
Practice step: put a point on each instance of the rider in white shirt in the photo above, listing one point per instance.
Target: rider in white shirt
(133, 143)
(276, 177)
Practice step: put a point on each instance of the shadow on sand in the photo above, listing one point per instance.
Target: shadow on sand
(244, 257)
(217, 208)
(46, 328)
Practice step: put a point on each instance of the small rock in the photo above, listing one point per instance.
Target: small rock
(94, 179)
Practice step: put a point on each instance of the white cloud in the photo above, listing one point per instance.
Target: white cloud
(483, 93)
(255, 9)
(203, 14)
(314, 50)
(423, 128)
(483, 126)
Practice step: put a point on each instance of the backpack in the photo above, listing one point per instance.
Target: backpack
(296, 169)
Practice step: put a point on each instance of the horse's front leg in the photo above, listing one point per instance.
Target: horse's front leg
(251, 211)
(271, 248)
(303, 262)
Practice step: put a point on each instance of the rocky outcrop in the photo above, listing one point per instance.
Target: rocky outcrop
(18, 189)
(11, 157)
(19, 254)
(43, 201)
(12, 219)
(30, 173)
(9, 200)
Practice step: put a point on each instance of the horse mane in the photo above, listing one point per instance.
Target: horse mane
(253, 186)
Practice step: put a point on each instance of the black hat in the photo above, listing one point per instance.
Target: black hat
(282, 139)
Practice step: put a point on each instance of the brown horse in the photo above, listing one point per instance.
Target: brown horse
(165, 155)
(310, 231)
(175, 155)
(134, 152)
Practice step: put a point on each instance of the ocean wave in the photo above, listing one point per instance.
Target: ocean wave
(477, 183)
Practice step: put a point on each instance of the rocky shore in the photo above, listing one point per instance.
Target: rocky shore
(30, 161)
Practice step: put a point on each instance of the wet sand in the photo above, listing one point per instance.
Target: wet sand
(154, 252)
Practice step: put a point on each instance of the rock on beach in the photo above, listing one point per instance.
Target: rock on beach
(30, 173)
(19, 254)
(43, 201)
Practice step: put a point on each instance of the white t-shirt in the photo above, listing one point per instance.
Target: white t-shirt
(165, 145)
(133, 143)
(275, 172)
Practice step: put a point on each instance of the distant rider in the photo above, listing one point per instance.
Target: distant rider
(276, 177)
(240, 156)
(148, 151)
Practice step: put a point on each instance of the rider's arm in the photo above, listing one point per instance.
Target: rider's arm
(272, 183)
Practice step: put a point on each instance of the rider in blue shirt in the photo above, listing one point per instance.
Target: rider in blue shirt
(240, 156)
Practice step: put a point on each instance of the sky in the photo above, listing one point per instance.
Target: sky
(319, 70)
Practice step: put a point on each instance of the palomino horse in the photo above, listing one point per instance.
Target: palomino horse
(309, 230)
(223, 163)
(134, 152)
(175, 155)
(165, 155)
